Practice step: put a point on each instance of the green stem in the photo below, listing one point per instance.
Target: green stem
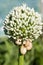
(21, 59)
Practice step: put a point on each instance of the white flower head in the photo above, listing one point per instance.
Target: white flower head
(23, 22)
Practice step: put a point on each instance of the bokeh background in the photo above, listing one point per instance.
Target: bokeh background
(8, 51)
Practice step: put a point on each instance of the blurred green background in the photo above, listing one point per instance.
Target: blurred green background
(8, 51)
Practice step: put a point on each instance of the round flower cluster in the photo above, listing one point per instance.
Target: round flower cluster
(23, 22)
(24, 25)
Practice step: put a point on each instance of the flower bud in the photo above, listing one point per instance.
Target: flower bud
(18, 42)
(27, 42)
(23, 50)
(29, 46)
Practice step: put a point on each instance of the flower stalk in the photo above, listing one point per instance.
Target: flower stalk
(21, 58)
